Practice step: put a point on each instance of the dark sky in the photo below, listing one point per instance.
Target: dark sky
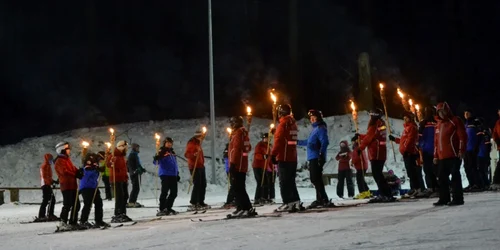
(72, 64)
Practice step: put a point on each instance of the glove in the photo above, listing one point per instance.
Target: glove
(178, 178)
(392, 138)
(273, 159)
(359, 151)
(435, 161)
(55, 181)
(321, 160)
(265, 157)
(156, 158)
(355, 138)
(79, 173)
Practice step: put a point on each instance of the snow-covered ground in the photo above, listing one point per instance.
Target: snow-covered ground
(20, 162)
(401, 225)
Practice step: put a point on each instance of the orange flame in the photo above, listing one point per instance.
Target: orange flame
(417, 107)
(271, 126)
(229, 130)
(400, 93)
(204, 130)
(112, 131)
(85, 144)
(353, 107)
(249, 110)
(411, 102)
(108, 144)
(381, 86)
(157, 136)
(273, 97)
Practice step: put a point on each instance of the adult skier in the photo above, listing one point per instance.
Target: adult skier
(344, 170)
(260, 158)
(284, 153)
(426, 131)
(196, 160)
(118, 178)
(238, 166)
(450, 141)
(230, 200)
(316, 155)
(360, 163)
(135, 171)
(472, 148)
(105, 175)
(496, 137)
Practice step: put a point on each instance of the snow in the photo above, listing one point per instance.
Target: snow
(401, 225)
(20, 162)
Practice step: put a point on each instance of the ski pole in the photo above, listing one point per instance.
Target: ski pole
(157, 137)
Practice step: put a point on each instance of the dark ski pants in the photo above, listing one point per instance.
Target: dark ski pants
(199, 186)
(316, 177)
(121, 197)
(230, 194)
(288, 187)
(107, 187)
(242, 199)
(431, 171)
(271, 177)
(168, 192)
(88, 194)
(47, 199)
(135, 179)
(412, 170)
(483, 164)
(262, 188)
(446, 167)
(377, 171)
(470, 167)
(68, 208)
(345, 176)
(360, 179)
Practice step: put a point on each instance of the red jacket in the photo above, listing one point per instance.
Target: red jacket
(46, 171)
(258, 156)
(120, 164)
(450, 137)
(285, 140)
(344, 156)
(193, 148)
(375, 140)
(359, 161)
(66, 172)
(409, 138)
(238, 150)
(496, 133)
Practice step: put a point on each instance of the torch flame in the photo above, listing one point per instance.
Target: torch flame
(417, 107)
(112, 131)
(204, 130)
(353, 107)
(411, 102)
(249, 110)
(271, 126)
(273, 97)
(157, 136)
(108, 144)
(85, 144)
(381, 86)
(229, 130)
(400, 93)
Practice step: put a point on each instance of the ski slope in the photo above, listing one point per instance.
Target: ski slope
(401, 225)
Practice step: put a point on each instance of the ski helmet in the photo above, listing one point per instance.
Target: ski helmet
(376, 112)
(236, 122)
(121, 145)
(314, 112)
(168, 139)
(264, 135)
(284, 109)
(409, 115)
(61, 147)
(90, 158)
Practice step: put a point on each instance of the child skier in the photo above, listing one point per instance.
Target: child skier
(394, 183)
(230, 200)
(48, 193)
(344, 172)
(88, 186)
(360, 163)
(105, 175)
(135, 171)
(169, 175)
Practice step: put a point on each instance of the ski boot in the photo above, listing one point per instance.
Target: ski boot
(204, 206)
(63, 227)
(53, 218)
(163, 212)
(41, 219)
(171, 211)
(86, 225)
(101, 224)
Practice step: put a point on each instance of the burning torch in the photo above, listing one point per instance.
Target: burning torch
(382, 97)
(249, 118)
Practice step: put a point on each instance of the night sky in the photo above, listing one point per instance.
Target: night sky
(73, 64)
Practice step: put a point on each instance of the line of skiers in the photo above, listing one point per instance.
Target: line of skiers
(439, 143)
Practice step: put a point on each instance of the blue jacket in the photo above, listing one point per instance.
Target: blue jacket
(426, 135)
(168, 162)
(484, 138)
(472, 138)
(226, 164)
(89, 179)
(317, 141)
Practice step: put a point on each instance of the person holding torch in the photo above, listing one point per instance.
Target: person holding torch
(196, 164)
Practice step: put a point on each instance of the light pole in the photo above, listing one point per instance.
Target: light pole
(212, 99)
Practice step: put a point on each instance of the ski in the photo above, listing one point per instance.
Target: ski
(200, 212)
(231, 217)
